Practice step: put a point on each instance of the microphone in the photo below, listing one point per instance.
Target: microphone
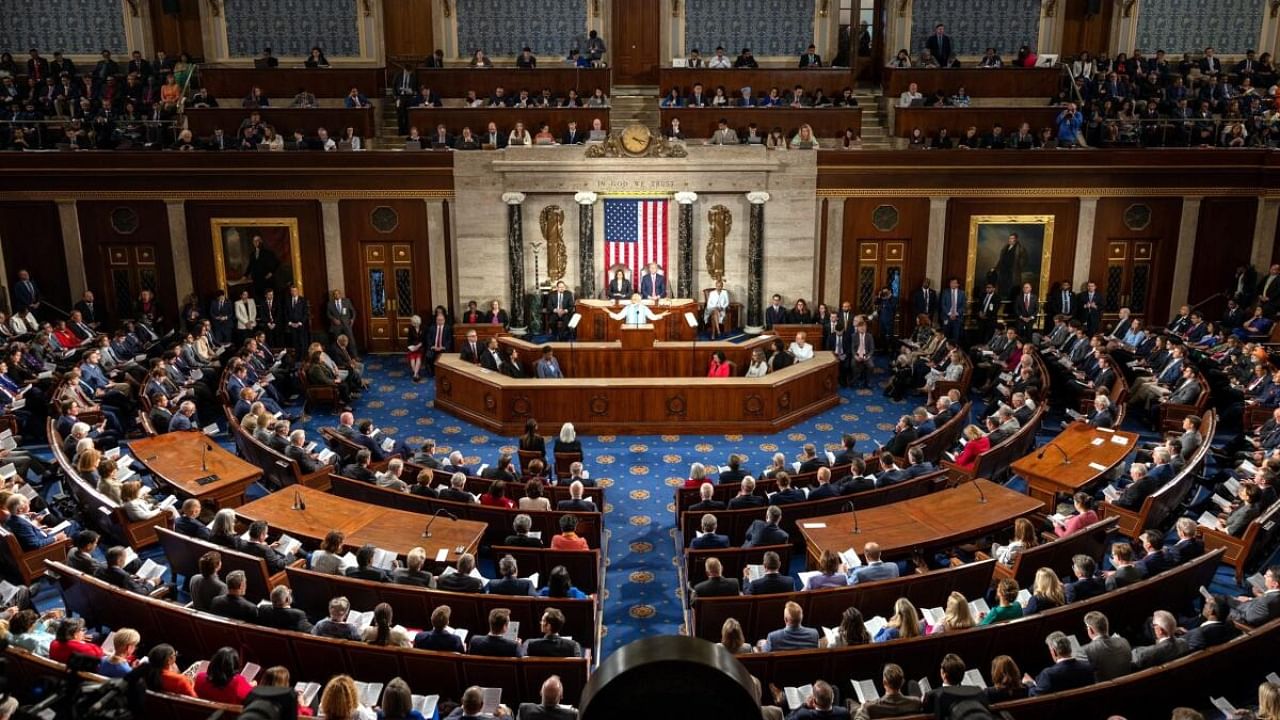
(982, 497)
(204, 449)
(298, 502)
(426, 532)
(853, 509)
(1066, 459)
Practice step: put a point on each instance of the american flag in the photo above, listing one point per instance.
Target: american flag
(635, 234)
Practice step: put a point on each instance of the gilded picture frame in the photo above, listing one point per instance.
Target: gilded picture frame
(988, 238)
(232, 240)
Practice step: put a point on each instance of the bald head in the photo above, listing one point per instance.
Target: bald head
(552, 690)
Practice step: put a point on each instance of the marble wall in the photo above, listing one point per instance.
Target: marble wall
(720, 176)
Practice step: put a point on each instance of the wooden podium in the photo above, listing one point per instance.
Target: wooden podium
(636, 337)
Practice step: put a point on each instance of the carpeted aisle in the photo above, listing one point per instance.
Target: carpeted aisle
(641, 596)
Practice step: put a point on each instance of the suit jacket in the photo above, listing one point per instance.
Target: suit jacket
(1162, 652)
(522, 541)
(709, 541)
(764, 533)
(416, 578)
(234, 607)
(565, 302)
(1084, 589)
(583, 505)
(118, 577)
(493, 646)
(897, 446)
(457, 582)
(275, 561)
(1111, 657)
(192, 528)
(441, 640)
(373, 574)
(1137, 492)
(1127, 575)
(340, 317)
(1187, 393)
(553, 646)
(651, 285)
(305, 463)
(889, 706)
(738, 502)
(925, 302)
(792, 638)
(28, 535)
(297, 312)
(1209, 634)
(1259, 610)
(788, 496)
(769, 584)
(945, 305)
(939, 700)
(774, 315)
(530, 711)
(284, 619)
(716, 587)
(1065, 675)
(511, 586)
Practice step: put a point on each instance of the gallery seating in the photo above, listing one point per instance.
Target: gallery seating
(183, 554)
(1160, 505)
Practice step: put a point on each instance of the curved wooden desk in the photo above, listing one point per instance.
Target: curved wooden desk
(597, 325)
(638, 405)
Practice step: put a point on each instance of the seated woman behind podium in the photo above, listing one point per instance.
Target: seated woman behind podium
(759, 365)
(719, 367)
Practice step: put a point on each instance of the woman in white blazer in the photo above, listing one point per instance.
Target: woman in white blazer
(246, 316)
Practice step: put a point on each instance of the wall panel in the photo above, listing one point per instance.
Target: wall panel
(912, 228)
(407, 29)
(1109, 224)
(358, 229)
(31, 238)
(1224, 241)
(149, 242)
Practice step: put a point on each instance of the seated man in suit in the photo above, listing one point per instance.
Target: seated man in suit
(917, 466)
(766, 532)
(282, 614)
(1153, 560)
(1215, 629)
(30, 535)
(1168, 645)
(708, 538)
(706, 491)
(772, 581)
(336, 625)
(495, 644)
(716, 585)
(365, 569)
(1127, 571)
(904, 433)
(233, 604)
(825, 489)
(113, 573)
(257, 545)
(509, 581)
(821, 704)
(746, 497)
(810, 460)
(440, 637)
(793, 635)
(1101, 416)
(521, 537)
(892, 703)
(1108, 654)
(1086, 584)
(1188, 547)
(457, 489)
(551, 694)
(1066, 673)
(785, 493)
(551, 644)
(940, 701)
(848, 443)
(160, 415)
(874, 569)
(308, 462)
(1262, 608)
(359, 468)
(576, 503)
(462, 580)
(1142, 483)
(412, 572)
(188, 522)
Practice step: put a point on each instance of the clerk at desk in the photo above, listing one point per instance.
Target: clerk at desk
(636, 312)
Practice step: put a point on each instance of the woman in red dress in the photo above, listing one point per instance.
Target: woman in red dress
(719, 368)
(414, 355)
(978, 444)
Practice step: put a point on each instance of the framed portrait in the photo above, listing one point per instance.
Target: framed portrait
(1007, 251)
(279, 261)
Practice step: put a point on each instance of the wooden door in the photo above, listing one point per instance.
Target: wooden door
(634, 42)
(177, 32)
(130, 270)
(878, 263)
(407, 29)
(387, 278)
(1129, 281)
(1082, 30)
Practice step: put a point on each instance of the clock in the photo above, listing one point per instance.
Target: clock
(1137, 216)
(636, 139)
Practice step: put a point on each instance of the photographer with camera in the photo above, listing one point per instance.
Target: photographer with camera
(1069, 123)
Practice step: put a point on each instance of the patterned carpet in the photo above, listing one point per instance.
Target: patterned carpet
(639, 472)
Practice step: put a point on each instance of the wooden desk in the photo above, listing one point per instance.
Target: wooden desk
(977, 82)
(955, 120)
(282, 83)
(699, 123)
(597, 325)
(426, 119)
(455, 82)
(928, 522)
(788, 331)
(484, 331)
(396, 531)
(832, 81)
(610, 359)
(175, 458)
(1048, 473)
(639, 405)
(202, 121)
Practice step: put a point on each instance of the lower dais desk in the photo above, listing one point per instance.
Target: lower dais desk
(633, 405)
(181, 459)
(1079, 456)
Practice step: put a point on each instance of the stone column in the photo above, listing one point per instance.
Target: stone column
(515, 254)
(1186, 253)
(331, 229)
(1084, 241)
(586, 243)
(183, 281)
(684, 248)
(435, 253)
(1264, 234)
(937, 241)
(755, 263)
(69, 219)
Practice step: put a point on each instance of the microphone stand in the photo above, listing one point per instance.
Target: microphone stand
(204, 450)
(426, 532)
(854, 509)
(982, 497)
(1066, 459)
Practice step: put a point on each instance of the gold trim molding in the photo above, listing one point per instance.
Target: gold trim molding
(1047, 192)
(230, 195)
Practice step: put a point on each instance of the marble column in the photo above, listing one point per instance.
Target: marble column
(1084, 241)
(937, 240)
(1264, 234)
(436, 253)
(1186, 253)
(515, 254)
(331, 229)
(684, 248)
(183, 281)
(69, 219)
(755, 263)
(586, 243)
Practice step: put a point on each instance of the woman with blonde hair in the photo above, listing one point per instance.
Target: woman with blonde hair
(1268, 702)
(137, 506)
(732, 639)
(904, 624)
(1024, 538)
(957, 616)
(1046, 593)
(414, 352)
(341, 701)
(382, 632)
(805, 138)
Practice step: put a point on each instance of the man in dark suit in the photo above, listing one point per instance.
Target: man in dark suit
(297, 318)
(439, 637)
(365, 569)
(550, 708)
(257, 545)
(1269, 290)
(939, 701)
(491, 358)
(576, 503)
(573, 136)
(271, 316)
(1100, 416)
(520, 526)
(113, 573)
(1168, 646)
(820, 706)
(551, 644)
(462, 580)
(706, 491)
(716, 585)
(220, 318)
(188, 523)
(775, 313)
(1024, 310)
(924, 300)
(232, 604)
(26, 294)
(1066, 673)
(471, 348)
(1061, 301)
(308, 462)
(1210, 65)
(412, 573)
(939, 44)
(810, 58)
(653, 285)
(772, 581)
(282, 615)
(1086, 584)
(359, 468)
(1089, 308)
(559, 308)
(708, 538)
(90, 312)
(785, 493)
(1263, 608)
(38, 67)
(849, 444)
(951, 309)
(824, 489)
(988, 312)
(746, 497)
(1216, 627)
(904, 433)
(510, 582)
(495, 644)
(341, 314)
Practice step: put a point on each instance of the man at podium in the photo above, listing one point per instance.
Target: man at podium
(636, 312)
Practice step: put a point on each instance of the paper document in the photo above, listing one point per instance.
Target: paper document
(850, 559)
(492, 699)
(1098, 466)
(1208, 519)
(813, 525)
(1119, 440)
(865, 690)
(973, 678)
(369, 693)
(797, 697)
